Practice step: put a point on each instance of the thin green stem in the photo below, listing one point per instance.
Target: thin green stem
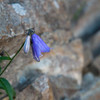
(12, 59)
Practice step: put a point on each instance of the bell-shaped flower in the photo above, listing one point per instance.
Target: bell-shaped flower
(38, 46)
(27, 44)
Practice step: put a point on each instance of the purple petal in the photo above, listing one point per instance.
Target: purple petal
(27, 44)
(42, 45)
(36, 50)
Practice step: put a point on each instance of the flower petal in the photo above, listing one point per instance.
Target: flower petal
(42, 45)
(36, 50)
(27, 44)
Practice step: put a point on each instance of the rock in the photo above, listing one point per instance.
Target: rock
(28, 94)
(6, 98)
(36, 87)
(88, 24)
(58, 75)
(43, 86)
(58, 37)
(88, 79)
(96, 64)
(25, 78)
(67, 60)
(94, 41)
(92, 56)
(88, 54)
(45, 15)
(62, 90)
(92, 93)
(64, 98)
(48, 88)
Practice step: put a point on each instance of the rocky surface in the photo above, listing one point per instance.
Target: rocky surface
(71, 28)
(45, 15)
(90, 89)
(92, 16)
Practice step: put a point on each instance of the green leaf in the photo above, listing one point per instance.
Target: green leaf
(5, 58)
(1, 86)
(7, 87)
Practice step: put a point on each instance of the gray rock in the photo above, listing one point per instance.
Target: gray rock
(88, 79)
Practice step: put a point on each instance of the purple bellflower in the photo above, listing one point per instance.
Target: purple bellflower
(37, 44)
(38, 47)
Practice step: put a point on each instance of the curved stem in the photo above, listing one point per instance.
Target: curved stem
(12, 59)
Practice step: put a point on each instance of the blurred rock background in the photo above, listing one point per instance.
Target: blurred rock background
(72, 28)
